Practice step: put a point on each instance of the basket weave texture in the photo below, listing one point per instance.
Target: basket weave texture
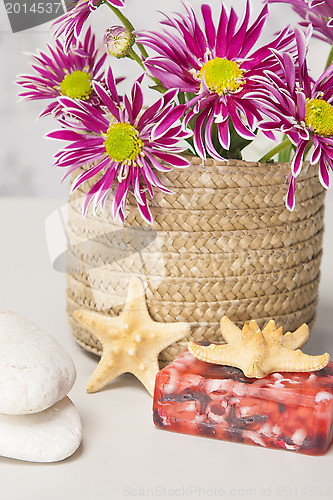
(222, 244)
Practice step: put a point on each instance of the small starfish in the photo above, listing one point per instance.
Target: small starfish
(259, 353)
(131, 341)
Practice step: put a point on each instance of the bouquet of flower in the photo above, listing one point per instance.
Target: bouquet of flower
(217, 87)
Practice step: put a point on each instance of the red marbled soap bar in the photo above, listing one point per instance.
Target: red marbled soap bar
(293, 411)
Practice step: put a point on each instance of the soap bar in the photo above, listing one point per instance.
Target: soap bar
(292, 411)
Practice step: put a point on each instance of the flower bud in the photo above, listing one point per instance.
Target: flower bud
(118, 41)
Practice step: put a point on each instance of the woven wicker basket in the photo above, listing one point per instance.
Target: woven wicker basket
(222, 244)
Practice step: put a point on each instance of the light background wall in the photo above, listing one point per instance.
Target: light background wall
(25, 155)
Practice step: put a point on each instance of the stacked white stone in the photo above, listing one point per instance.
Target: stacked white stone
(38, 422)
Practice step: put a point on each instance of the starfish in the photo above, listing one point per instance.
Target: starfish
(259, 353)
(131, 341)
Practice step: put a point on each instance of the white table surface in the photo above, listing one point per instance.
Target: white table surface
(122, 454)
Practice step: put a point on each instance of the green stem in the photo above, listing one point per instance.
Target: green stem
(142, 50)
(133, 55)
(120, 16)
(275, 150)
(330, 58)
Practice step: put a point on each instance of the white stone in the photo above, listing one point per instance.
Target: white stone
(49, 436)
(35, 370)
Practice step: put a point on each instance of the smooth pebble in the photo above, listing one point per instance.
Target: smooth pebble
(49, 436)
(35, 370)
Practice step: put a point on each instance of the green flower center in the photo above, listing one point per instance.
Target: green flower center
(122, 142)
(77, 85)
(319, 116)
(221, 75)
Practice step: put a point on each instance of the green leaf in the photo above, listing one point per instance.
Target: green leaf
(181, 97)
(237, 143)
(159, 88)
(285, 154)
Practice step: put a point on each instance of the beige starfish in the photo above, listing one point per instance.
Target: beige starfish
(131, 341)
(258, 352)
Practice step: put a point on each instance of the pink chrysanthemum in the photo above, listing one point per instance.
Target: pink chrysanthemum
(71, 23)
(126, 148)
(218, 66)
(302, 109)
(69, 74)
(317, 12)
